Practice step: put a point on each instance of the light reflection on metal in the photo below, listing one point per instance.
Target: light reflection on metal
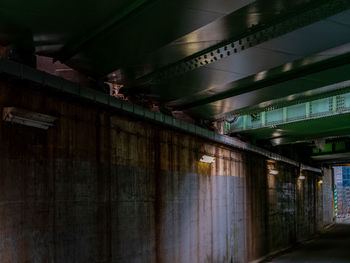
(255, 35)
(207, 159)
(273, 82)
(277, 133)
(287, 67)
(330, 90)
(260, 76)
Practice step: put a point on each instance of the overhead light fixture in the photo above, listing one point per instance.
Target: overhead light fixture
(273, 172)
(28, 118)
(207, 159)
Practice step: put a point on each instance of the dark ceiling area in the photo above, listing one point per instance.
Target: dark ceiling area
(214, 61)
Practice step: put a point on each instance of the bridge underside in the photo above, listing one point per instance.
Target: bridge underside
(170, 131)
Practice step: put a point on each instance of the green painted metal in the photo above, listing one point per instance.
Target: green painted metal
(340, 146)
(336, 151)
(333, 147)
(328, 148)
(317, 109)
(167, 40)
(137, 41)
(311, 72)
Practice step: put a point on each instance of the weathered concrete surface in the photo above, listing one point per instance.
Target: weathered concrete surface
(330, 247)
(100, 187)
(283, 210)
(326, 196)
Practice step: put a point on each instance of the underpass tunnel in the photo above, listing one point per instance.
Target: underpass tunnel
(160, 131)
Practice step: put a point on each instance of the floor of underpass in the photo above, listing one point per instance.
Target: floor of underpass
(331, 247)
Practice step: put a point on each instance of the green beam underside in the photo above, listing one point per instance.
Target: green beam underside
(336, 147)
(317, 109)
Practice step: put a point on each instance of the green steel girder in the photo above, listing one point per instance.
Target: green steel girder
(320, 93)
(332, 147)
(307, 66)
(332, 159)
(317, 109)
(332, 152)
(256, 34)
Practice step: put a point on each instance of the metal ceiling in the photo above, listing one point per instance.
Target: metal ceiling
(256, 63)
(211, 59)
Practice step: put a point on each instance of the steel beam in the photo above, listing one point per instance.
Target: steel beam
(303, 97)
(332, 158)
(331, 148)
(276, 26)
(293, 70)
(321, 108)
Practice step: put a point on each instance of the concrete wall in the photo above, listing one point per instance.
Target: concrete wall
(284, 210)
(327, 196)
(100, 187)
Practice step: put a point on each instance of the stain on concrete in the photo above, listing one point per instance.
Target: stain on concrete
(100, 187)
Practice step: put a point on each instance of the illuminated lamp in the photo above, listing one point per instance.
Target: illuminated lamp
(271, 166)
(207, 159)
(273, 172)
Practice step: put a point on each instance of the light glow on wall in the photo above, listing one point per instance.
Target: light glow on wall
(273, 172)
(271, 166)
(207, 159)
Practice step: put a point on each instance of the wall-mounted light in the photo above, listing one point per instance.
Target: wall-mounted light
(301, 177)
(273, 172)
(320, 181)
(207, 159)
(28, 118)
(271, 166)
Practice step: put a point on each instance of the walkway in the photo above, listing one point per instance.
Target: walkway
(332, 247)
